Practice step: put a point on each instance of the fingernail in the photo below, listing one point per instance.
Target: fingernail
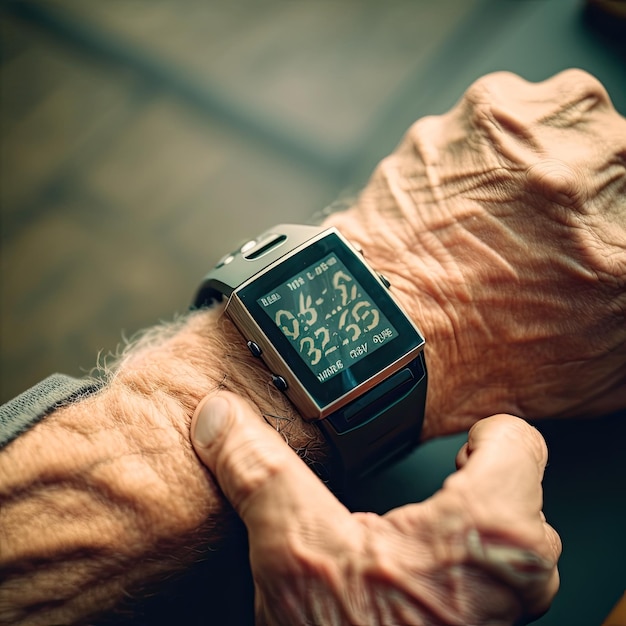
(211, 417)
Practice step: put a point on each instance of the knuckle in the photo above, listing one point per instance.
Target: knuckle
(245, 468)
(554, 540)
(557, 182)
(522, 433)
(294, 559)
(587, 85)
(419, 137)
(484, 88)
(517, 433)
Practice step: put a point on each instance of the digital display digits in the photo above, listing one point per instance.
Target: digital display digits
(328, 317)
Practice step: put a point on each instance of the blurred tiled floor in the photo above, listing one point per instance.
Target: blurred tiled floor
(142, 139)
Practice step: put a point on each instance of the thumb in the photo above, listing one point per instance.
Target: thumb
(251, 462)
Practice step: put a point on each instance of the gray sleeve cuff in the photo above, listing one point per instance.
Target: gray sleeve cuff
(24, 411)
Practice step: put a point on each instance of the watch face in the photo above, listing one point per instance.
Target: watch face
(330, 318)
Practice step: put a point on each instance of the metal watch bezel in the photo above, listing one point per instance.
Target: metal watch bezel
(297, 391)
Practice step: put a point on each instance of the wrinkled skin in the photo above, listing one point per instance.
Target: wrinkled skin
(478, 552)
(502, 227)
(504, 235)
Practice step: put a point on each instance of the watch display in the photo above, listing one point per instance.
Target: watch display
(333, 339)
(328, 317)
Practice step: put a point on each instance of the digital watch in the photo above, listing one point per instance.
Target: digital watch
(334, 339)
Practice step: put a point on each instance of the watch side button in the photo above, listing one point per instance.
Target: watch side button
(247, 246)
(263, 246)
(279, 382)
(384, 280)
(254, 348)
(225, 260)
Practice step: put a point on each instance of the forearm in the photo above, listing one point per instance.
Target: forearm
(107, 493)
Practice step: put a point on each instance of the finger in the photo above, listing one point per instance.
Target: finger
(487, 519)
(503, 462)
(473, 439)
(462, 456)
(265, 481)
(501, 470)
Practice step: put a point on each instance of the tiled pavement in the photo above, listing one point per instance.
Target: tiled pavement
(141, 139)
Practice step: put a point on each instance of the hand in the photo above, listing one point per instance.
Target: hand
(478, 552)
(502, 227)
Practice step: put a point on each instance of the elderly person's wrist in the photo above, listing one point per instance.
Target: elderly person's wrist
(501, 226)
(204, 353)
(113, 482)
(423, 285)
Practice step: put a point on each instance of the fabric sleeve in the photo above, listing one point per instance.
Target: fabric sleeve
(27, 409)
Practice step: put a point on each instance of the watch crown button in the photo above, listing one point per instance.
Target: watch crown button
(279, 382)
(384, 280)
(254, 348)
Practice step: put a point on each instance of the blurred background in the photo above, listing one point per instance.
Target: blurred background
(141, 139)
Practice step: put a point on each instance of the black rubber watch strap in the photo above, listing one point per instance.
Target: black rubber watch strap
(379, 427)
